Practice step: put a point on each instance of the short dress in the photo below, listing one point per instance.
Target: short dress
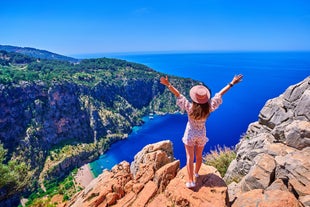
(195, 131)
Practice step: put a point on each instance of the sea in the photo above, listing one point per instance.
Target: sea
(266, 76)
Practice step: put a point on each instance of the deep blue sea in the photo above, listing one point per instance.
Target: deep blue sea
(266, 75)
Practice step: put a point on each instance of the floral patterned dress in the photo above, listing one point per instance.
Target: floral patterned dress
(195, 131)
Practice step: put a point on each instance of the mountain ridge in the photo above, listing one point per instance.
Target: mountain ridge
(37, 53)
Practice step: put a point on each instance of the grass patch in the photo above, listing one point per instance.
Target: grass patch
(220, 158)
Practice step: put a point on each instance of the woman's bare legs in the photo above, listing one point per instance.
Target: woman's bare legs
(199, 150)
(190, 162)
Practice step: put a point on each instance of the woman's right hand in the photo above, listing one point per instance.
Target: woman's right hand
(164, 81)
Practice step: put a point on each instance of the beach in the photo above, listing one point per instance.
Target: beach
(84, 176)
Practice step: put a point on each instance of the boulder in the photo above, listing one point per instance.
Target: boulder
(297, 134)
(261, 174)
(152, 156)
(271, 198)
(210, 189)
(295, 168)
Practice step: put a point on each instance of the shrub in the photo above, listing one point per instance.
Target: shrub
(220, 158)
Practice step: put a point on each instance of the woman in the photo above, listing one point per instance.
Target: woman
(198, 110)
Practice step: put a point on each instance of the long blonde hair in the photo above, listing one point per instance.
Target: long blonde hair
(200, 111)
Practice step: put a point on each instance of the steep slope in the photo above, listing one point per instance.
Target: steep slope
(274, 153)
(56, 116)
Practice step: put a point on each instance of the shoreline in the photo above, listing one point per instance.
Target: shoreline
(84, 176)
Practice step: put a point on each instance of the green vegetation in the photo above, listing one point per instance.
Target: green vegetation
(220, 158)
(66, 188)
(13, 173)
(15, 67)
(61, 152)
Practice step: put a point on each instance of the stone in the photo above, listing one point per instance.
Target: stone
(149, 190)
(210, 189)
(278, 184)
(106, 188)
(261, 198)
(305, 200)
(234, 190)
(303, 106)
(165, 174)
(158, 155)
(247, 150)
(261, 174)
(297, 134)
(160, 200)
(295, 167)
(273, 113)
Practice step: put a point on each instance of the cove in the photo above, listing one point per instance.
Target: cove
(158, 128)
(155, 129)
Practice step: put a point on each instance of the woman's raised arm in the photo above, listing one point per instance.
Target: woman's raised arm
(235, 80)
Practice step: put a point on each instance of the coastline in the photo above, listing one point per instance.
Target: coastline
(84, 175)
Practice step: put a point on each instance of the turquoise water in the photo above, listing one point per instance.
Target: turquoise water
(266, 75)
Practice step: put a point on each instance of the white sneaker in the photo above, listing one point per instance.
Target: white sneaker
(190, 184)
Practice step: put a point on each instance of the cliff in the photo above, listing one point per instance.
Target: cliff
(56, 116)
(273, 157)
(271, 169)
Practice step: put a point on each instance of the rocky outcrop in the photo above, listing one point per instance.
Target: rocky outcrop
(154, 178)
(272, 166)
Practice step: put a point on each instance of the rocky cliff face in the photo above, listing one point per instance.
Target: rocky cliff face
(272, 167)
(273, 157)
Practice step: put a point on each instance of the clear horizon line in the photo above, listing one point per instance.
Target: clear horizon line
(96, 54)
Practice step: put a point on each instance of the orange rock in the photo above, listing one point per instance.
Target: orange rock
(210, 190)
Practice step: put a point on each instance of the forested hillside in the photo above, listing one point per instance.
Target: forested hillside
(41, 54)
(57, 115)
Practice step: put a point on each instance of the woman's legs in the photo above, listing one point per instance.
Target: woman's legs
(199, 150)
(190, 162)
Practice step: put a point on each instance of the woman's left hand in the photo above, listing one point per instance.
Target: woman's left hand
(237, 79)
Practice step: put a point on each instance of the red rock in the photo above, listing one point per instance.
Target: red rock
(211, 190)
(149, 190)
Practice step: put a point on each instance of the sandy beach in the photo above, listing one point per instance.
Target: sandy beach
(84, 176)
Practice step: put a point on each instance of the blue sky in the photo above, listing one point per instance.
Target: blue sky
(99, 26)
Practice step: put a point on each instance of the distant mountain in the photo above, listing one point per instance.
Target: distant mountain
(32, 52)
